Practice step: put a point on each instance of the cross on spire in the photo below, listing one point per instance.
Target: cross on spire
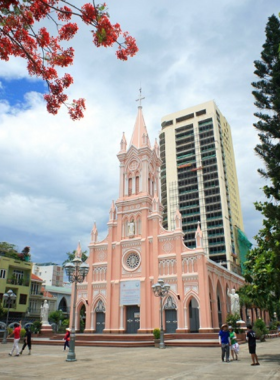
(139, 99)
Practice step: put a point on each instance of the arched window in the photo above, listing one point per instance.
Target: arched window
(129, 186)
(137, 185)
(125, 228)
(138, 226)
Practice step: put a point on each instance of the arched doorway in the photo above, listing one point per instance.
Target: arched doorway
(82, 318)
(132, 319)
(63, 305)
(170, 316)
(100, 317)
(219, 304)
(194, 315)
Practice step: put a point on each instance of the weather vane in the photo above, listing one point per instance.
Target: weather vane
(139, 99)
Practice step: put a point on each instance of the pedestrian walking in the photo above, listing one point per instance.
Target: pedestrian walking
(251, 338)
(16, 334)
(67, 338)
(224, 340)
(27, 341)
(234, 345)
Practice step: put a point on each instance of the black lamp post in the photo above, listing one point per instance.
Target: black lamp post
(161, 289)
(76, 271)
(9, 297)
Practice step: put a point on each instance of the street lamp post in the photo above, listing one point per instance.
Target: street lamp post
(8, 297)
(76, 272)
(161, 289)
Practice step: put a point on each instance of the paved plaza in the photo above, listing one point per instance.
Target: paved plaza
(48, 362)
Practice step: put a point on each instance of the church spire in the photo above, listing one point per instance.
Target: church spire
(112, 211)
(178, 220)
(198, 236)
(123, 143)
(156, 148)
(140, 136)
(78, 252)
(94, 233)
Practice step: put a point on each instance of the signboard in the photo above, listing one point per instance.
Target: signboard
(130, 293)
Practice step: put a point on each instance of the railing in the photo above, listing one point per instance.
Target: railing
(20, 282)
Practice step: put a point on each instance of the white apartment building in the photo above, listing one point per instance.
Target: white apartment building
(50, 273)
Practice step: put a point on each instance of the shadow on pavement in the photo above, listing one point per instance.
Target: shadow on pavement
(270, 358)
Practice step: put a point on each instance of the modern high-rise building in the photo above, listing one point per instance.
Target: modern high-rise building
(198, 175)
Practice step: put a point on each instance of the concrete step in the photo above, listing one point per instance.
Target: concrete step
(135, 340)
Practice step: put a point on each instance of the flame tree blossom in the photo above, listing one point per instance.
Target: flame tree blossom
(22, 34)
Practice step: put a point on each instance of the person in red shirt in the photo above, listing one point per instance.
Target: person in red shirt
(16, 334)
(67, 338)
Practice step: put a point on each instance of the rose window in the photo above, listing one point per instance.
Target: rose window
(131, 261)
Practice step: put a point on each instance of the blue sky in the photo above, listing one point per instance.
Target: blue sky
(13, 90)
(59, 176)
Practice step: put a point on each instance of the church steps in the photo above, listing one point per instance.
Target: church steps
(168, 343)
(136, 340)
(137, 337)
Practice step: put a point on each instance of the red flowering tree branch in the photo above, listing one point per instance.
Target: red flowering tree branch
(22, 35)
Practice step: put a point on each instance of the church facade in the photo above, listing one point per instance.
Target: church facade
(117, 293)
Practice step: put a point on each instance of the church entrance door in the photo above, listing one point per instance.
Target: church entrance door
(132, 319)
(220, 318)
(194, 315)
(100, 322)
(170, 321)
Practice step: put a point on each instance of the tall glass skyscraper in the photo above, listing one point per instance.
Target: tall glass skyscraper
(198, 176)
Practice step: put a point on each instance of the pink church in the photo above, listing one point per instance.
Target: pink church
(117, 293)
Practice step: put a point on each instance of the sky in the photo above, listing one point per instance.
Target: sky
(58, 176)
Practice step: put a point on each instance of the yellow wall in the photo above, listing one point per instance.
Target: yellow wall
(20, 288)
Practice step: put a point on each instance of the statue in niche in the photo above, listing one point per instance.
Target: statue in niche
(234, 301)
(131, 228)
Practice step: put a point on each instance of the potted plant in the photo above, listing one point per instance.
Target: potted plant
(156, 334)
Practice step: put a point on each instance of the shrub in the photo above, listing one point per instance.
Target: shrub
(156, 333)
(56, 316)
(232, 321)
(22, 333)
(260, 328)
(36, 327)
(65, 322)
(273, 326)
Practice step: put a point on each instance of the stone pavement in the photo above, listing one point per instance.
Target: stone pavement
(48, 362)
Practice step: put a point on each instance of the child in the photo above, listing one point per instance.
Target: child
(27, 341)
(67, 338)
(234, 344)
(224, 341)
(251, 338)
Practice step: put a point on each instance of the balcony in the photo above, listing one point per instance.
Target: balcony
(18, 281)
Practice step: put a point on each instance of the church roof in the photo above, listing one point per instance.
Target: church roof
(140, 136)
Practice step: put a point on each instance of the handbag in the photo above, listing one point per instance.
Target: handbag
(236, 348)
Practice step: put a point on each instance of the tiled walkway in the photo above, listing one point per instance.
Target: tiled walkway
(48, 362)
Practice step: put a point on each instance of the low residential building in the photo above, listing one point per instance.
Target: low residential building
(38, 295)
(15, 274)
(51, 273)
